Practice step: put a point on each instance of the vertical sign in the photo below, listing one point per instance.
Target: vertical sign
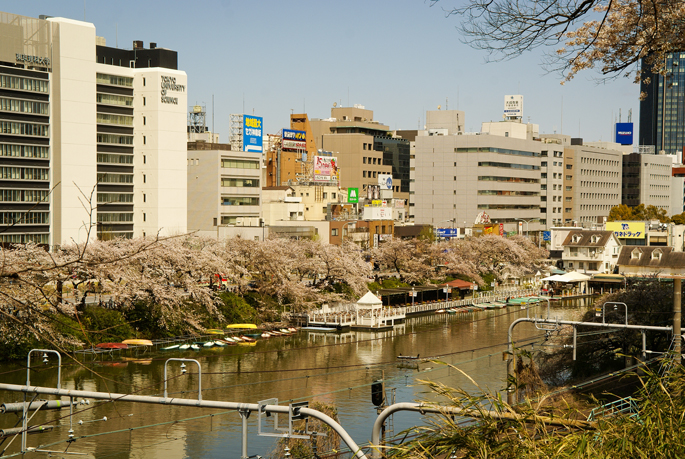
(252, 133)
(353, 195)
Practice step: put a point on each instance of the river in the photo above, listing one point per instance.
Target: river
(336, 368)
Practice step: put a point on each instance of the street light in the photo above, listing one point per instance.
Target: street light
(526, 222)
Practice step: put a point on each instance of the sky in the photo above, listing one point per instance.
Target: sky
(398, 58)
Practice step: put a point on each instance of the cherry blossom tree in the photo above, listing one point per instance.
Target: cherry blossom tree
(611, 35)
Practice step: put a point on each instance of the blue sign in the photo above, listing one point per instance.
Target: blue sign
(252, 133)
(447, 232)
(289, 134)
(546, 235)
(624, 133)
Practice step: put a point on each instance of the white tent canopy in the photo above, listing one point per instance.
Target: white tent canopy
(369, 300)
(568, 277)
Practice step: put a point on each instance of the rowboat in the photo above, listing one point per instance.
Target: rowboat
(112, 346)
(195, 347)
(241, 326)
(184, 347)
(173, 346)
(214, 331)
(137, 342)
(227, 342)
(207, 344)
(247, 339)
(266, 335)
(219, 343)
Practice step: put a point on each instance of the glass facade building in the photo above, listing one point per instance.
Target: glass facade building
(662, 112)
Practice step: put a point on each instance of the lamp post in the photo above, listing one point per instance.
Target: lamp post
(412, 296)
(526, 222)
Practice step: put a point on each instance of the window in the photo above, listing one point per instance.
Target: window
(332, 195)
(144, 216)
(143, 100)
(334, 231)
(364, 174)
(325, 195)
(364, 158)
(239, 164)
(239, 201)
(144, 121)
(144, 178)
(144, 197)
(144, 140)
(144, 159)
(143, 81)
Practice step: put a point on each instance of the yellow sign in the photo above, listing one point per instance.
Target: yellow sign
(627, 230)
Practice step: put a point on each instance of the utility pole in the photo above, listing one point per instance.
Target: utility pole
(677, 303)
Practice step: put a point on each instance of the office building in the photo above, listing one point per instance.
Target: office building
(459, 176)
(648, 180)
(85, 125)
(662, 111)
(364, 148)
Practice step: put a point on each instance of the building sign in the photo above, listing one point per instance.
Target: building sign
(627, 230)
(294, 140)
(325, 168)
(447, 232)
(252, 133)
(168, 83)
(385, 181)
(353, 195)
(513, 106)
(399, 203)
(624, 133)
(38, 60)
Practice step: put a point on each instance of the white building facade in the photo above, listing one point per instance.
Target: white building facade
(93, 138)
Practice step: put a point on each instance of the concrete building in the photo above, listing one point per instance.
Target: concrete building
(648, 180)
(460, 176)
(364, 148)
(590, 179)
(223, 187)
(80, 117)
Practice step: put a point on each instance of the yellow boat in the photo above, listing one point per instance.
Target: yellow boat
(137, 342)
(214, 331)
(242, 326)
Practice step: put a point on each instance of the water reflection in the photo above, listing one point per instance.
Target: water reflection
(336, 368)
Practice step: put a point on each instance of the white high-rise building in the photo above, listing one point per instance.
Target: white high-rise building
(92, 138)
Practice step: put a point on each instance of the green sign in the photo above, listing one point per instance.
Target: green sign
(353, 195)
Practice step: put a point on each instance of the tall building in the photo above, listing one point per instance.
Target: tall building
(459, 176)
(662, 111)
(92, 138)
(647, 179)
(364, 147)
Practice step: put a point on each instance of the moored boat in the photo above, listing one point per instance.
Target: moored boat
(172, 347)
(112, 346)
(137, 342)
(184, 347)
(195, 347)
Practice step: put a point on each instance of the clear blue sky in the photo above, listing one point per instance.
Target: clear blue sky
(398, 58)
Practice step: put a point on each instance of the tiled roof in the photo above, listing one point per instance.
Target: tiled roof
(586, 238)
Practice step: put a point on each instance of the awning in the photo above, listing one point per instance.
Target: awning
(608, 278)
(568, 277)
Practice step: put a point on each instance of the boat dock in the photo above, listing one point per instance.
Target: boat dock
(370, 314)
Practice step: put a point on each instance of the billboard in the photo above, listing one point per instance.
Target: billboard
(385, 181)
(624, 133)
(513, 106)
(627, 230)
(353, 195)
(447, 232)
(373, 192)
(252, 133)
(294, 140)
(325, 168)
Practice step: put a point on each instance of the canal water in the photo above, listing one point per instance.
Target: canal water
(335, 368)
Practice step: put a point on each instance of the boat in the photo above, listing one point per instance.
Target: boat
(227, 342)
(184, 347)
(195, 347)
(440, 311)
(320, 329)
(285, 331)
(408, 357)
(253, 335)
(214, 331)
(292, 329)
(137, 342)
(253, 343)
(242, 326)
(112, 346)
(172, 347)
(207, 344)
(266, 335)
(247, 339)
(219, 343)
